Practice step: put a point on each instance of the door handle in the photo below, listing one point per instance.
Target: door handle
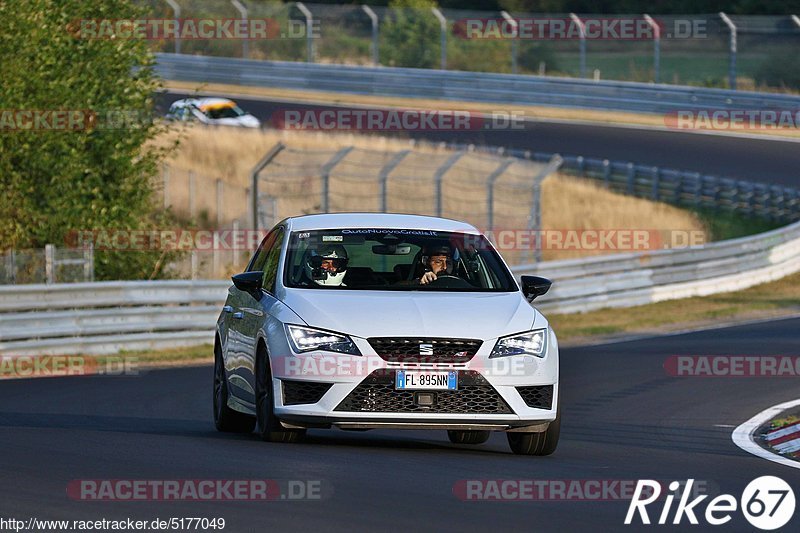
(227, 308)
(238, 314)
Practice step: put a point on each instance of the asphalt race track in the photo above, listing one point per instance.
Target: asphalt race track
(741, 157)
(624, 419)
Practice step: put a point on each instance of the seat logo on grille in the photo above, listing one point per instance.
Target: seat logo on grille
(425, 349)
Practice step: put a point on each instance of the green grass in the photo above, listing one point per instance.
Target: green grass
(722, 225)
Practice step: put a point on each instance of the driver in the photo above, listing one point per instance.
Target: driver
(438, 261)
(326, 265)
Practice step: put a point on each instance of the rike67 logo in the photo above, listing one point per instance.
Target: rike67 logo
(767, 503)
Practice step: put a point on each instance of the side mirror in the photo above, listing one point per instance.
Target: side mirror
(535, 286)
(249, 282)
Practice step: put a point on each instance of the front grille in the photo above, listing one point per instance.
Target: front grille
(540, 396)
(424, 350)
(376, 394)
(299, 392)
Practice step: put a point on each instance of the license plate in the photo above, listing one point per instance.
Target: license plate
(425, 380)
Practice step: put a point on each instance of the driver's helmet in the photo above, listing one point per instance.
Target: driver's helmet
(326, 264)
(438, 250)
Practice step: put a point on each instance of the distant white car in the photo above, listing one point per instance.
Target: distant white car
(364, 321)
(212, 111)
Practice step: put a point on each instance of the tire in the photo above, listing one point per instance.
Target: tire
(268, 426)
(467, 437)
(225, 418)
(543, 443)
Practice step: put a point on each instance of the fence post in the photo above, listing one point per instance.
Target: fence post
(490, 181)
(11, 266)
(243, 12)
(582, 36)
(309, 31)
(88, 262)
(698, 189)
(733, 48)
(580, 162)
(442, 36)
(266, 160)
(383, 176)
(235, 230)
(437, 178)
(191, 194)
(656, 47)
(165, 180)
(374, 19)
(49, 264)
(514, 40)
(535, 216)
(176, 10)
(327, 168)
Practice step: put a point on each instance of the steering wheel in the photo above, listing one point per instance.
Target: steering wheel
(448, 281)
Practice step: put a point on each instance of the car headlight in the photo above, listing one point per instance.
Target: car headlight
(528, 343)
(304, 339)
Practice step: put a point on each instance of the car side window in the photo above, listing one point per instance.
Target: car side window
(267, 257)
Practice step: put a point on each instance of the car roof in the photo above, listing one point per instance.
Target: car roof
(205, 102)
(378, 220)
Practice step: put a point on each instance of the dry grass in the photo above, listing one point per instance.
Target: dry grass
(293, 181)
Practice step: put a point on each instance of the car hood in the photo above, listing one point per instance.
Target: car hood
(413, 313)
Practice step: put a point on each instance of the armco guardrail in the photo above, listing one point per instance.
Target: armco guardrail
(110, 316)
(506, 89)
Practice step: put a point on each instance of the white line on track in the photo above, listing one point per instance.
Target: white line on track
(743, 435)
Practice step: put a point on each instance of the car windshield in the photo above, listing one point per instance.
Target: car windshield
(394, 259)
(224, 112)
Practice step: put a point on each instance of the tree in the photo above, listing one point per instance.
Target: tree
(411, 35)
(94, 174)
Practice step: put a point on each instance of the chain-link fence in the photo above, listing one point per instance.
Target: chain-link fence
(707, 49)
(50, 264)
(488, 191)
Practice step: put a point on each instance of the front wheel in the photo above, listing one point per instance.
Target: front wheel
(543, 443)
(467, 437)
(269, 427)
(225, 418)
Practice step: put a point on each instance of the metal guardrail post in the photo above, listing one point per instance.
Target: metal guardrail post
(631, 178)
(192, 199)
(383, 176)
(243, 12)
(733, 46)
(514, 40)
(11, 266)
(582, 36)
(374, 19)
(606, 173)
(437, 178)
(656, 47)
(49, 264)
(309, 31)
(327, 168)
(176, 10)
(266, 160)
(442, 36)
(490, 181)
(535, 216)
(656, 183)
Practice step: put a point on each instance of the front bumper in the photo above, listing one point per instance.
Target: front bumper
(345, 403)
